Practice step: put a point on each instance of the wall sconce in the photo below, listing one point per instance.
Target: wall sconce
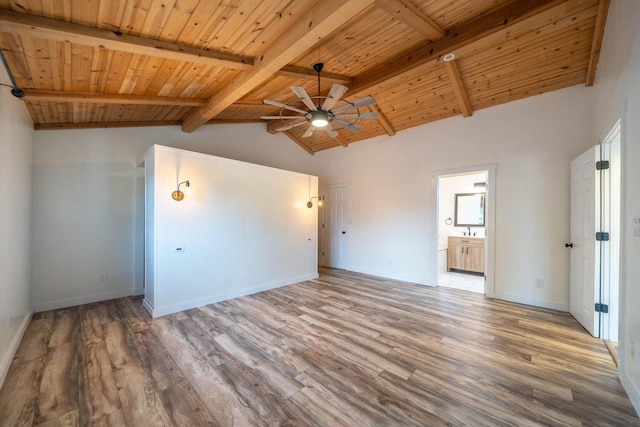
(179, 195)
(310, 203)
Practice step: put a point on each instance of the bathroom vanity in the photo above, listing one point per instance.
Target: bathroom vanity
(466, 253)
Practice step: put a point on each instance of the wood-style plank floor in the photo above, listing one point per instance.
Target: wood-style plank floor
(346, 349)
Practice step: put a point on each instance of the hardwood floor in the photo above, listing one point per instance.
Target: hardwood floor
(346, 349)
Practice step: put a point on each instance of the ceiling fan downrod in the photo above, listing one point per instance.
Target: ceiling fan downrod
(318, 67)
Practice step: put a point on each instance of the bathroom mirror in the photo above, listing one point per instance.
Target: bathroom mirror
(469, 210)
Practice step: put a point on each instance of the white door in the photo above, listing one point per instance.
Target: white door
(335, 228)
(584, 269)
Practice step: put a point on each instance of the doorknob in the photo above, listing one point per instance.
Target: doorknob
(568, 245)
(344, 232)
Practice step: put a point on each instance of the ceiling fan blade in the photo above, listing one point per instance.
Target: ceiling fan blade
(361, 116)
(304, 97)
(336, 92)
(309, 132)
(331, 131)
(281, 105)
(351, 126)
(279, 117)
(358, 103)
(291, 126)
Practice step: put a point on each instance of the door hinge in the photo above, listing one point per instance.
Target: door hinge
(602, 164)
(602, 308)
(601, 236)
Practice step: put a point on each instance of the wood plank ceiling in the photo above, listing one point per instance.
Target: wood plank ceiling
(115, 63)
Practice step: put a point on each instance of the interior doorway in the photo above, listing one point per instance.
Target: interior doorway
(334, 226)
(465, 224)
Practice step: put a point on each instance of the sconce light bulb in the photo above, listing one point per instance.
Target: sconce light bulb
(320, 202)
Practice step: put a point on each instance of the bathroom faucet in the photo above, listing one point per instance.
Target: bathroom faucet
(469, 231)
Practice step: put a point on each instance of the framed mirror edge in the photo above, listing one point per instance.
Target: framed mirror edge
(481, 209)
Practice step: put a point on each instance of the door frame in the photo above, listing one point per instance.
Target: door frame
(490, 217)
(611, 258)
(323, 219)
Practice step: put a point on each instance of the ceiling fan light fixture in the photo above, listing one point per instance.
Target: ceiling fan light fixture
(319, 118)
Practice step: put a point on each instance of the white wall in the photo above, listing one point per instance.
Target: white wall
(448, 187)
(617, 95)
(244, 228)
(88, 202)
(393, 206)
(16, 170)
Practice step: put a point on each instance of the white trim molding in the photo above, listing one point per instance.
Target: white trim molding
(5, 364)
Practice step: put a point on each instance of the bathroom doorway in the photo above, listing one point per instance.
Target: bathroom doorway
(465, 218)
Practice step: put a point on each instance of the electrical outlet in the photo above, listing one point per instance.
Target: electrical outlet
(103, 277)
(634, 349)
(636, 227)
(539, 283)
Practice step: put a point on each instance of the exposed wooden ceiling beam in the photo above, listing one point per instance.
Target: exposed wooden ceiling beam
(299, 141)
(313, 27)
(598, 33)
(126, 124)
(453, 69)
(383, 120)
(103, 125)
(413, 17)
(341, 141)
(476, 29)
(310, 74)
(52, 29)
(105, 98)
(232, 121)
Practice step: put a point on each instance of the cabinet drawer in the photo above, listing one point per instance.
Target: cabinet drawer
(466, 241)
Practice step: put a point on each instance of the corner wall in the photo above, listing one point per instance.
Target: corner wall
(241, 228)
(16, 170)
(617, 95)
(393, 203)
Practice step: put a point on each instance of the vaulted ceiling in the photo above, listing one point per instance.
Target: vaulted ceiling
(113, 63)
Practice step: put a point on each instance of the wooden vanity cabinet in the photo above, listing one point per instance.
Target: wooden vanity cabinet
(466, 253)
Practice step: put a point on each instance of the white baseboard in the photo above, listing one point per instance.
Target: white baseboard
(632, 391)
(147, 306)
(506, 297)
(7, 357)
(530, 301)
(70, 302)
(186, 305)
(387, 275)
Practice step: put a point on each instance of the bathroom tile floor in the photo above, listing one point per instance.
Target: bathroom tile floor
(464, 281)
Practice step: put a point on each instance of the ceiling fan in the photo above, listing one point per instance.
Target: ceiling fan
(323, 116)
